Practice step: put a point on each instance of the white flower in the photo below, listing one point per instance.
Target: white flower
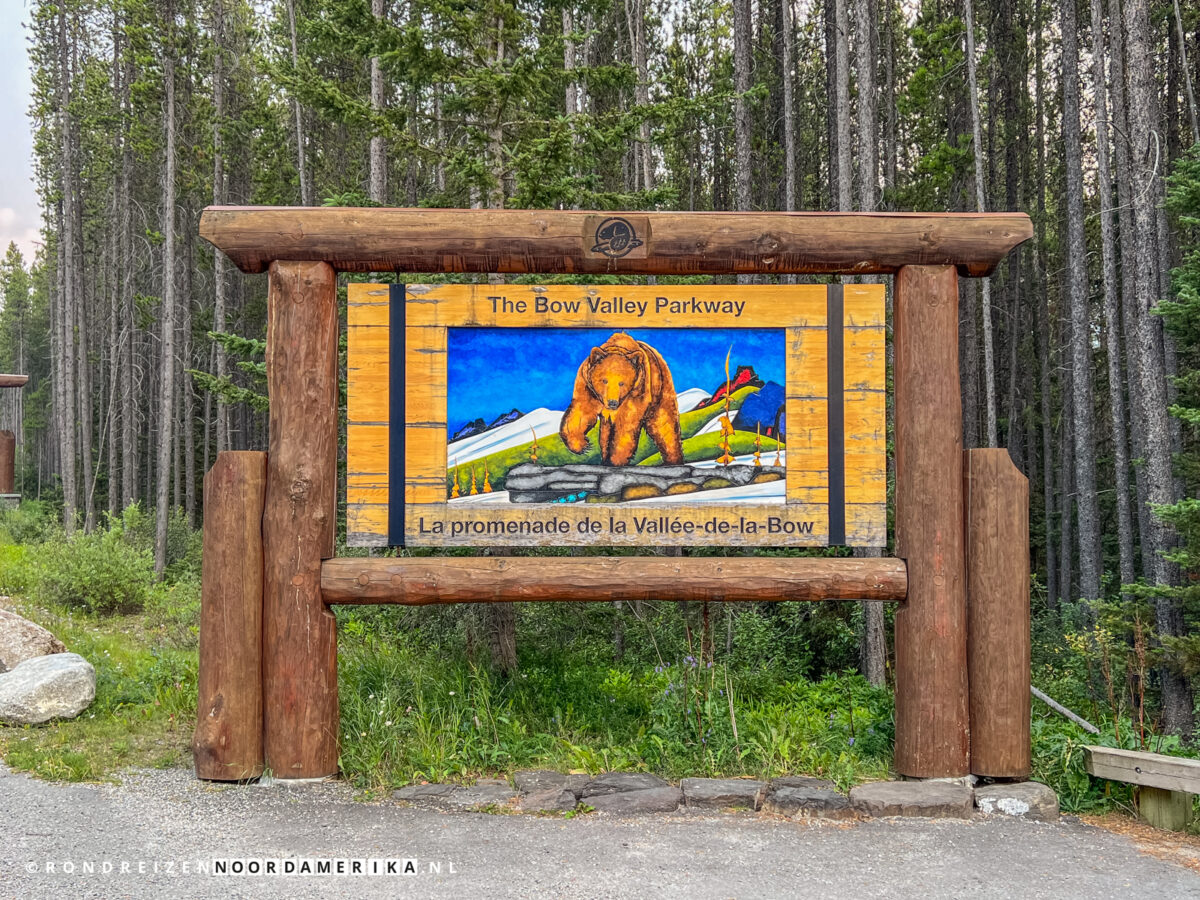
(452, 693)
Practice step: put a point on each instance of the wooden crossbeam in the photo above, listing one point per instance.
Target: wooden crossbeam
(418, 581)
(671, 243)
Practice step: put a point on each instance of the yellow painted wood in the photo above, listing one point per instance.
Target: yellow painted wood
(801, 311)
(571, 306)
(529, 525)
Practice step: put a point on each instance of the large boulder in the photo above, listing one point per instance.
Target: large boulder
(58, 686)
(21, 639)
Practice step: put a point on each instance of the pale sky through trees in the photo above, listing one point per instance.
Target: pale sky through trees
(20, 218)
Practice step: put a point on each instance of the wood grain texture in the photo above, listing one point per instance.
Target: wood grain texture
(418, 581)
(8, 462)
(932, 728)
(299, 633)
(515, 241)
(998, 640)
(1171, 773)
(228, 741)
(12, 381)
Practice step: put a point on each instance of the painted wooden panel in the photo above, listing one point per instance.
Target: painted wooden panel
(468, 481)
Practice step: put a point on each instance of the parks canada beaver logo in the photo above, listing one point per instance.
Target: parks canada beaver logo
(615, 237)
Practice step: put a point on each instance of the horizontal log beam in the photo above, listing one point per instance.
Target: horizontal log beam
(418, 581)
(673, 243)
(13, 381)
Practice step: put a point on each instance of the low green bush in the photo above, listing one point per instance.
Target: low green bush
(103, 572)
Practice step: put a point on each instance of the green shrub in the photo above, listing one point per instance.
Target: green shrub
(103, 572)
(32, 522)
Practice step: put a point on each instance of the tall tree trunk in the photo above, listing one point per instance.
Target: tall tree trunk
(378, 190)
(845, 168)
(166, 408)
(306, 198)
(1129, 314)
(742, 39)
(1177, 713)
(1086, 508)
(789, 107)
(220, 261)
(66, 383)
(989, 364)
(1181, 38)
(1112, 316)
(873, 640)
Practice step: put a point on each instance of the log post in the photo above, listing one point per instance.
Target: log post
(932, 736)
(998, 651)
(8, 462)
(228, 741)
(299, 632)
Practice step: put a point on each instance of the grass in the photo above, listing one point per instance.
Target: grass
(145, 703)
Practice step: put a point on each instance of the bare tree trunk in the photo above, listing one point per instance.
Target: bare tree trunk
(842, 99)
(378, 190)
(1087, 511)
(1112, 316)
(989, 364)
(1129, 315)
(789, 106)
(66, 383)
(635, 16)
(306, 198)
(1177, 712)
(742, 39)
(1187, 75)
(220, 261)
(166, 409)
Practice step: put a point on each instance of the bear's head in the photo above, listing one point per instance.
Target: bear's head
(612, 376)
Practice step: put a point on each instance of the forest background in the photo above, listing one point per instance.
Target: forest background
(1081, 354)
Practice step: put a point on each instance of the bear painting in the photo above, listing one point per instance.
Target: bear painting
(626, 385)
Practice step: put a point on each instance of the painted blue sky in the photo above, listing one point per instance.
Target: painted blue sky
(492, 370)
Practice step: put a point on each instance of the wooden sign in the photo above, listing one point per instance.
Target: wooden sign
(553, 415)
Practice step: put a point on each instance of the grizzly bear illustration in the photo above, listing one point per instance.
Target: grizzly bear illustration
(625, 383)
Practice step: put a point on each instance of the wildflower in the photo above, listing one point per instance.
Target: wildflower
(452, 694)
(388, 722)
(851, 742)
(710, 663)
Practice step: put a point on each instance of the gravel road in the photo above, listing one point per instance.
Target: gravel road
(165, 824)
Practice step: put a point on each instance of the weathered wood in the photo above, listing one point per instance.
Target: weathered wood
(299, 632)
(932, 727)
(1169, 810)
(998, 642)
(1171, 773)
(8, 462)
(12, 381)
(228, 742)
(1063, 711)
(713, 243)
(417, 581)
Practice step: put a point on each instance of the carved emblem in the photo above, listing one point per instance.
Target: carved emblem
(615, 237)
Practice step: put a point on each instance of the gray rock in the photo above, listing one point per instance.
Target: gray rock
(542, 780)
(425, 793)
(492, 782)
(620, 782)
(722, 793)
(648, 800)
(798, 797)
(548, 800)
(930, 799)
(532, 483)
(479, 796)
(58, 686)
(1024, 799)
(21, 639)
(803, 781)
